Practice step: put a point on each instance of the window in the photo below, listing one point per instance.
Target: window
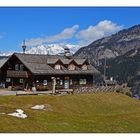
(21, 67)
(8, 80)
(57, 67)
(83, 81)
(16, 67)
(71, 67)
(84, 67)
(45, 82)
(21, 81)
(70, 81)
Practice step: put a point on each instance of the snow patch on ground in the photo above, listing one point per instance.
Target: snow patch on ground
(43, 107)
(39, 107)
(19, 113)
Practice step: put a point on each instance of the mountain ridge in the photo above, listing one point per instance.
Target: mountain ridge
(51, 49)
(112, 46)
(124, 69)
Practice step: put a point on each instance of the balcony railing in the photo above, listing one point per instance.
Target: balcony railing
(22, 74)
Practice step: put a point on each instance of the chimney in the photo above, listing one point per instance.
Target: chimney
(67, 52)
(24, 46)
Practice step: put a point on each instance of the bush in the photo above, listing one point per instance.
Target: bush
(127, 91)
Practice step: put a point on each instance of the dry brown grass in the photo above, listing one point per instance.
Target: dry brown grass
(110, 112)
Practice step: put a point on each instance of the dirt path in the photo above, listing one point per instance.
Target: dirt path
(7, 92)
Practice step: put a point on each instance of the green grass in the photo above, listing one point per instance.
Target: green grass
(110, 112)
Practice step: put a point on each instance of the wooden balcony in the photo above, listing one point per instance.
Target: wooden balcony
(22, 74)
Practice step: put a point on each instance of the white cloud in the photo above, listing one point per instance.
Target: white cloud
(65, 34)
(84, 37)
(102, 29)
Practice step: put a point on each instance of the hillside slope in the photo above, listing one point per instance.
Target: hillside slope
(125, 69)
(72, 113)
(112, 46)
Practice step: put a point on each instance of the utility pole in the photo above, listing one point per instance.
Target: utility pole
(105, 68)
(96, 57)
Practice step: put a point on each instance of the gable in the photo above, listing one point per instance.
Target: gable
(2, 62)
(40, 64)
(11, 62)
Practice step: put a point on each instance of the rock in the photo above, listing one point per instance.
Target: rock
(112, 46)
(48, 107)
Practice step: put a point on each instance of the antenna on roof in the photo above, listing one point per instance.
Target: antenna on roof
(24, 46)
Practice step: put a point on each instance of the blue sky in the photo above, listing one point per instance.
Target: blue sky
(47, 25)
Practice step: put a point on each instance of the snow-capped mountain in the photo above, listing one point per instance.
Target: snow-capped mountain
(51, 49)
(45, 49)
(6, 53)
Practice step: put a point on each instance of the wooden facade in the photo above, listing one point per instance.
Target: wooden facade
(23, 71)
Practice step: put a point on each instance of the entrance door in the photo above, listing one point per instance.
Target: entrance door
(66, 84)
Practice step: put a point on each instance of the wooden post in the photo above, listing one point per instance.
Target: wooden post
(53, 83)
(23, 84)
(12, 82)
(93, 80)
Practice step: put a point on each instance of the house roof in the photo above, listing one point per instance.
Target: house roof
(2, 61)
(39, 64)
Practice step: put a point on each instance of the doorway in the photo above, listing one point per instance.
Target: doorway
(66, 84)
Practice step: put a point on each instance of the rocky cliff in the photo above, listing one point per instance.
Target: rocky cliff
(112, 46)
